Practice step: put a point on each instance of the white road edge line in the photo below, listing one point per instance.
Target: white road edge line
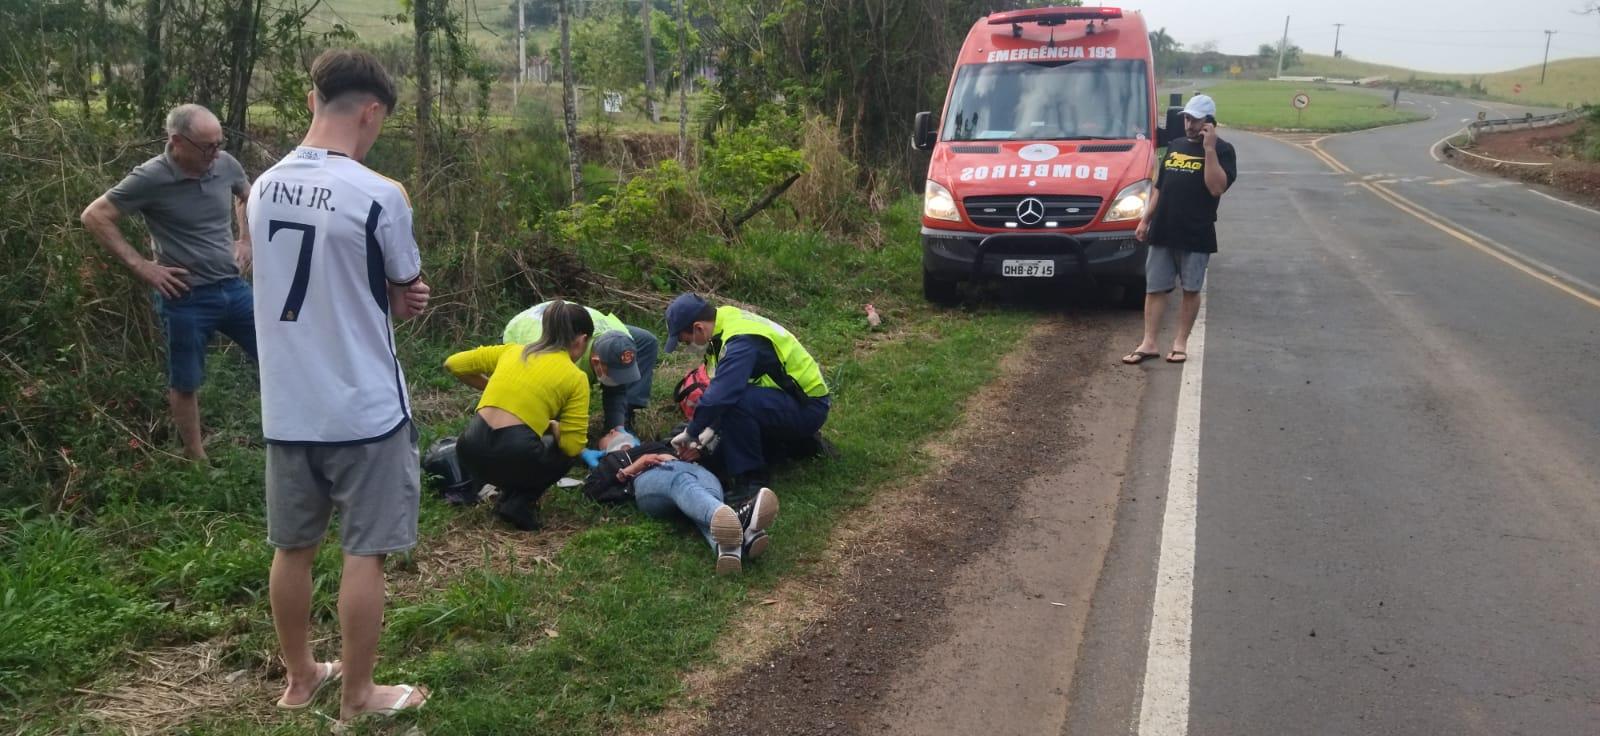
(1565, 202)
(1164, 707)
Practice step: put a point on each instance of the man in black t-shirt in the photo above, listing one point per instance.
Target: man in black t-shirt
(1180, 224)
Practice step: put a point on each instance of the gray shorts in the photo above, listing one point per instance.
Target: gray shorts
(1165, 268)
(376, 486)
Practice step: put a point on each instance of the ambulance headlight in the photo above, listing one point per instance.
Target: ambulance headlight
(1129, 203)
(937, 204)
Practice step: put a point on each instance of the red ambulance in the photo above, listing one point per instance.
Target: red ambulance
(1044, 156)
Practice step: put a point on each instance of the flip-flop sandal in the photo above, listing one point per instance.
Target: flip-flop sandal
(389, 712)
(329, 676)
(1138, 357)
(1177, 356)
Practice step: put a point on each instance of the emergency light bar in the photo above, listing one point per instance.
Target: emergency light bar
(1053, 16)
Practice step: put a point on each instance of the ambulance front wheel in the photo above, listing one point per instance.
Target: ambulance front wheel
(939, 290)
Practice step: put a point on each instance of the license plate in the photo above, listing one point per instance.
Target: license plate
(1025, 269)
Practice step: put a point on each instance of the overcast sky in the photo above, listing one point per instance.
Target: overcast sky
(1431, 35)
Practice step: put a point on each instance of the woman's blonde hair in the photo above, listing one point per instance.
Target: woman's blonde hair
(562, 325)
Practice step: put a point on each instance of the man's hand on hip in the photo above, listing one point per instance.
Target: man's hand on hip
(166, 279)
(242, 255)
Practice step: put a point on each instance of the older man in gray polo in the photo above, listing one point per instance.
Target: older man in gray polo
(188, 196)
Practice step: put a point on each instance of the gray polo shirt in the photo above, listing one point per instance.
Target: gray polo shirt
(191, 219)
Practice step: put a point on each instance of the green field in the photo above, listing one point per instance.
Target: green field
(1574, 81)
(1266, 105)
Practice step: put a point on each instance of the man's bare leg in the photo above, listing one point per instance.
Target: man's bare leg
(1155, 307)
(1188, 310)
(185, 407)
(289, 589)
(361, 601)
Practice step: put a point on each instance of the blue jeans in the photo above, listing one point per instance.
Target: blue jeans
(224, 306)
(618, 402)
(680, 487)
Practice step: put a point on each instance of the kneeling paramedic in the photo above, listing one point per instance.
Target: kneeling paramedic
(766, 395)
(621, 358)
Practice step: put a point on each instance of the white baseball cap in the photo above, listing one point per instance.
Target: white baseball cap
(1200, 107)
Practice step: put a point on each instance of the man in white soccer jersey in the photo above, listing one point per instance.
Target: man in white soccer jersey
(335, 258)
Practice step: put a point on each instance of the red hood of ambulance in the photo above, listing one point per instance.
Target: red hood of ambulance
(1033, 168)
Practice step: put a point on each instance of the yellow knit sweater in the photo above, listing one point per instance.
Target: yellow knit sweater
(544, 387)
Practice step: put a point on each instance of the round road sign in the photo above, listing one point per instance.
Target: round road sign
(1301, 101)
(1482, 115)
(1516, 89)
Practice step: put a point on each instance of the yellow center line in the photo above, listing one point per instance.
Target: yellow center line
(1422, 213)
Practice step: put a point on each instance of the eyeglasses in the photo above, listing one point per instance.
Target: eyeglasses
(208, 149)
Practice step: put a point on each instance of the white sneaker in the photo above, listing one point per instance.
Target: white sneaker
(756, 515)
(728, 532)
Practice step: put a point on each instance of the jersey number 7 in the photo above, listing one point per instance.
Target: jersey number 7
(302, 268)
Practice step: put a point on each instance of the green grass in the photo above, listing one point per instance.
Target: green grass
(1568, 81)
(175, 554)
(1265, 105)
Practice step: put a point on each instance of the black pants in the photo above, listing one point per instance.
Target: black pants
(515, 459)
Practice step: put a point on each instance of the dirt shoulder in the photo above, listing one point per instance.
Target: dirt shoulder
(957, 600)
(1551, 147)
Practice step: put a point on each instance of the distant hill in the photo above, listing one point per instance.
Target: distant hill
(370, 19)
(1575, 81)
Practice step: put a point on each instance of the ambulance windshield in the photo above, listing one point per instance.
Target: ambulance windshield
(1049, 100)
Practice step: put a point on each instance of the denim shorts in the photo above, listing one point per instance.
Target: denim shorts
(1165, 268)
(190, 320)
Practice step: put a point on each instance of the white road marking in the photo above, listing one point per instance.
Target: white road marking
(1386, 181)
(1444, 102)
(1589, 210)
(1497, 184)
(1164, 709)
(1447, 182)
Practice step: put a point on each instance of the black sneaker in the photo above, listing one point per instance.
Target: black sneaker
(756, 515)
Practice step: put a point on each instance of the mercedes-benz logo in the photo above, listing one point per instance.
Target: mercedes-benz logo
(1030, 211)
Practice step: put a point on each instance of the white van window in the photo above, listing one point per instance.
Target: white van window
(1049, 100)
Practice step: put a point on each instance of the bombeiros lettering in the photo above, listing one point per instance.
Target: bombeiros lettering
(1036, 171)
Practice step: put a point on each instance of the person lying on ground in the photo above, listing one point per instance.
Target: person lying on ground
(664, 485)
(533, 419)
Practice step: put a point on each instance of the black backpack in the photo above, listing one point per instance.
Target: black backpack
(446, 476)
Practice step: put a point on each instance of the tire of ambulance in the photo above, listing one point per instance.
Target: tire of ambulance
(940, 291)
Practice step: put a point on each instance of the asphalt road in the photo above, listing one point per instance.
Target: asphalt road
(1397, 482)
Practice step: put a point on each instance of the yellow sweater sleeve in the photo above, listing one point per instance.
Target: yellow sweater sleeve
(479, 361)
(575, 416)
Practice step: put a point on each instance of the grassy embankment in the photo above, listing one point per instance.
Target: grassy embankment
(573, 631)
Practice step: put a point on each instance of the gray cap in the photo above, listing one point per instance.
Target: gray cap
(620, 355)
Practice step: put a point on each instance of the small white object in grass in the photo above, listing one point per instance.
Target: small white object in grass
(568, 483)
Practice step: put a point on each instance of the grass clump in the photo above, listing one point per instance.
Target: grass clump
(1266, 105)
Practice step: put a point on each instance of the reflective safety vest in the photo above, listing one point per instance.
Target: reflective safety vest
(527, 326)
(802, 376)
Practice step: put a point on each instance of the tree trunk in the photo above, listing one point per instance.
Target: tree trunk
(102, 47)
(683, 85)
(569, 103)
(649, 64)
(151, 84)
(422, 26)
(246, 17)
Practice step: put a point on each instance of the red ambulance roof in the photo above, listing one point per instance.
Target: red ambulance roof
(1062, 34)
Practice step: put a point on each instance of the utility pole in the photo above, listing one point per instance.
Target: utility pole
(1283, 45)
(1547, 35)
(1336, 28)
(683, 85)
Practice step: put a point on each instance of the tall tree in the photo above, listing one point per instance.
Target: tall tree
(683, 85)
(649, 63)
(569, 102)
(153, 81)
(422, 24)
(244, 44)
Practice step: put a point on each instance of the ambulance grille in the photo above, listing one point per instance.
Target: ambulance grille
(1105, 147)
(1065, 211)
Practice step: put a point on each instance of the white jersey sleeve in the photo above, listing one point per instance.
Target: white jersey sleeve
(330, 236)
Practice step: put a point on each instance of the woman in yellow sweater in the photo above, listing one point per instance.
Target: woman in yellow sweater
(533, 419)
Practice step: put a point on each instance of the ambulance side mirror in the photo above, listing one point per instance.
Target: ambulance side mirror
(926, 132)
(1174, 126)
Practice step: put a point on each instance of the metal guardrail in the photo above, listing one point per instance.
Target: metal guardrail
(1526, 122)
